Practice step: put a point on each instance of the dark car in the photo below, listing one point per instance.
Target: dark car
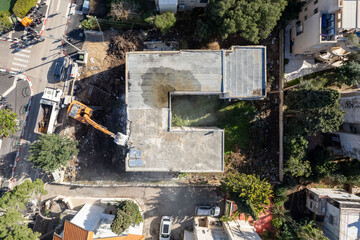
(59, 69)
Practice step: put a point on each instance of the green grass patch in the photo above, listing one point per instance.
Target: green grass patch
(210, 111)
(7, 5)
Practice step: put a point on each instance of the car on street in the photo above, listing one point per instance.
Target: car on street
(207, 210)
(59, 69)
(165, 228)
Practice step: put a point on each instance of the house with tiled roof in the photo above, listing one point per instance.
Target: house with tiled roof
(92, 223)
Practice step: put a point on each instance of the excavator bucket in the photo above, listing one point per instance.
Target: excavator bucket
(120, 139)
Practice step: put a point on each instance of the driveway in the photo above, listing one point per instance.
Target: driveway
(177, 202)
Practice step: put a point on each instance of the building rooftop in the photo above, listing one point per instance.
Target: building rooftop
(336, 194)
(92, 222)
(151, 77)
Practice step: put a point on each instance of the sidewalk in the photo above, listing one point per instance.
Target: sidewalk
(301, 65)
(17, 90)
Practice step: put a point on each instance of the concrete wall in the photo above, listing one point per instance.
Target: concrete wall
(332, 230)
(351, 106)
(184, 5)
(350, 144)
(350, 224)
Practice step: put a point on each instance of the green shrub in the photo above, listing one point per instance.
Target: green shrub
(89, 24)
(22, 7)
(164, 22)
(5, 23)
(128, 213)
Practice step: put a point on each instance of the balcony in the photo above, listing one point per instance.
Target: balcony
(328, 27)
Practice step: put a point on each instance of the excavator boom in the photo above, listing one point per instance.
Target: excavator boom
(83, 113)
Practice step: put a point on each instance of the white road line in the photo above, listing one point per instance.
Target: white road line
(15, 69)
(13, 86)
(23, 50)
(58, 6)
(21, 60)
(19, 64)
(22, 55)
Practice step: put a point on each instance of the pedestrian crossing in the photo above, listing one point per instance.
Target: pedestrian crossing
(20, 59)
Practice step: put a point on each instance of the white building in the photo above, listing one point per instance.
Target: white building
(209, 228)
(347, 140)
(323, 27)
(341, 212)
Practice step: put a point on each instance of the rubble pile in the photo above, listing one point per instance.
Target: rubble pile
(127, 42)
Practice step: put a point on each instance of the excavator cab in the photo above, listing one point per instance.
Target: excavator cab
(83, 113)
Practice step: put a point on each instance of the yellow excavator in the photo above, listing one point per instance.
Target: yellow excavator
(83, 113)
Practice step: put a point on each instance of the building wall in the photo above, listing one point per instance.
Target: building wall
(350, 133)
(315, 204)
(350, 144)
(308, 42)
(331, 222)
(182, 5)
(350, 224)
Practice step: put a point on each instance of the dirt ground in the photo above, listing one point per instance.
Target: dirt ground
(101, 87)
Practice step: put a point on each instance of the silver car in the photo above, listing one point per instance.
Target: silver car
(207, 210)
(165, 228)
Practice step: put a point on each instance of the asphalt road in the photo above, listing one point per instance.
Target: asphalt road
(177, 202)
(36, 62)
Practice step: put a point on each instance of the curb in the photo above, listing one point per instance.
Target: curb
(134, 185)
(24, 126)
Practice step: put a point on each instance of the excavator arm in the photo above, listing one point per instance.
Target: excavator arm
(83, 113)
(88, 120)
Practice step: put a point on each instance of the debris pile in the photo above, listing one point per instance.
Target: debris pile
(127, 42)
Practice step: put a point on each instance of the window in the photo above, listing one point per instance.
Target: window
(305, 9)
(316, 11)
(305, 17)
(316, 1)
(204, 1)
(311, 204)
(331, 219)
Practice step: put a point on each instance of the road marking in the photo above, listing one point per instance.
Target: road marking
(15, 69)
(22, 55)
(13, 86)
(19, 64)
(23, 50)
(21, 60)
(58, 6)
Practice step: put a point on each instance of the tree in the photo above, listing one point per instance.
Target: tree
(22, 7)
(12, 204)
(314, 109)
(18, 197)
(310, 98)
(5, 23)
(321, 163)
(297, 167)
(8, 124)
(12, 227)
(348, 73)
(242, 187)
(252, 19)
(128, 213)
(52, 151)
(164, 22)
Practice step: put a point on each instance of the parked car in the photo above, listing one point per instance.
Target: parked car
(207, 210)
(59, 69)
(165, 228)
